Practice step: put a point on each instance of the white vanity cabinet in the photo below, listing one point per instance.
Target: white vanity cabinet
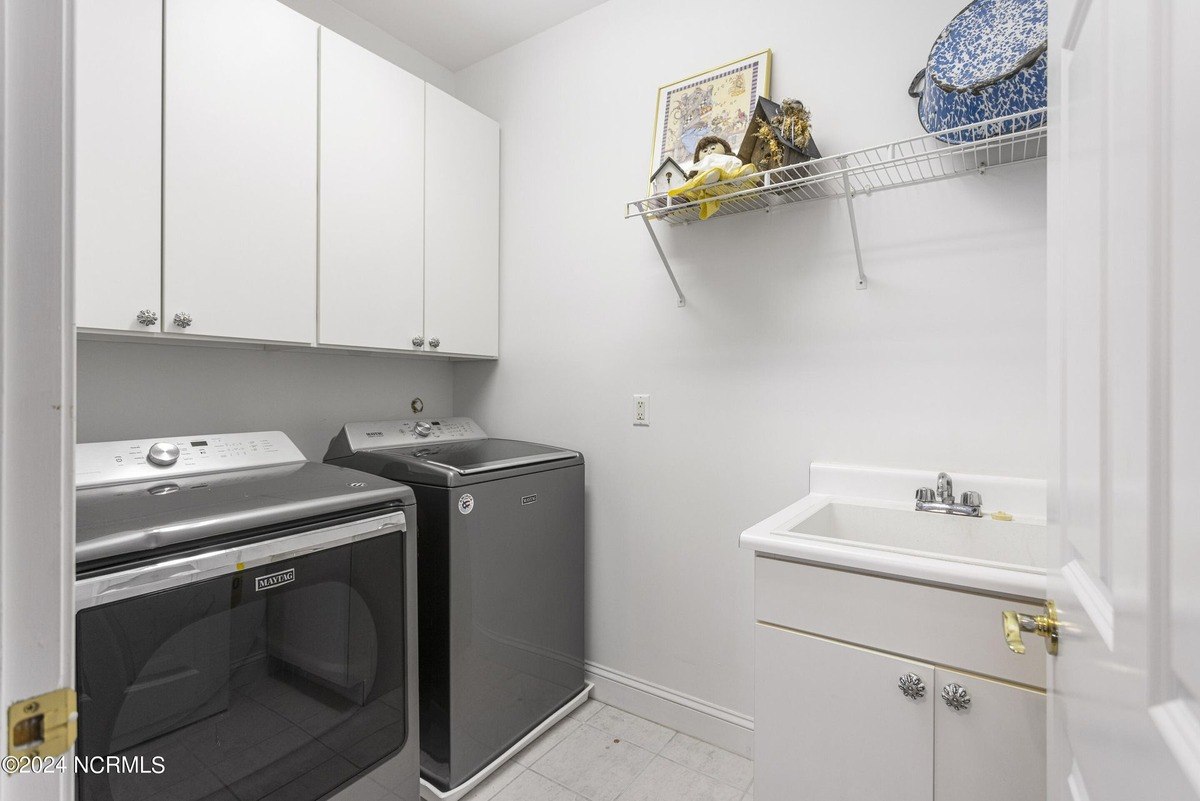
(118, 164)
(462, 227)
(240, 170)
(832, 719)
(995, 750)
(372, 210)
(830, 723)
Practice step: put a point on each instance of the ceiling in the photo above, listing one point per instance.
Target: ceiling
(457, 33)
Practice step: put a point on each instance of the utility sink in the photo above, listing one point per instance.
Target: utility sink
(863, 519)
(980, 540)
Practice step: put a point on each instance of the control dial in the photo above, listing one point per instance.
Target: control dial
(163, 454)
(422, 429)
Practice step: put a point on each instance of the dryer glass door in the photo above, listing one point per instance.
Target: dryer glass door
(281, 681)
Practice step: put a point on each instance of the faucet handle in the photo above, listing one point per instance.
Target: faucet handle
(972, 498)
(925, 495)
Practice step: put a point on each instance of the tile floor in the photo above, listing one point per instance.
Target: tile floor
(600, 753)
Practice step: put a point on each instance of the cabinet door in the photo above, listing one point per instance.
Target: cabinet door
(240, 183)
(995, 748)
(372, 212)
(462, 227)
(118, 163)
(831, 723)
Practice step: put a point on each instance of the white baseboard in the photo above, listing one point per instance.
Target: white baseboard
(722, 727)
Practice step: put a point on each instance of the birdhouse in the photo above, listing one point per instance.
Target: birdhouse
(668, 176)
(767, 144)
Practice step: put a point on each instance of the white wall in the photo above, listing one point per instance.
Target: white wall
(777, 360)
(133, 390)
(348, 24)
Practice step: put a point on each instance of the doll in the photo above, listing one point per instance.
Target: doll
(714, 162)
(714, 152)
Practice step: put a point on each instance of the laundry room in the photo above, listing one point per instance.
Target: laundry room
(390, 413)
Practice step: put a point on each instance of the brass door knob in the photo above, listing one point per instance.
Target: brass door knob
(1042, 625)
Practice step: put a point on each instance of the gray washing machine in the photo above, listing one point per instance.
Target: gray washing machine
(500, 571)
(245, 622)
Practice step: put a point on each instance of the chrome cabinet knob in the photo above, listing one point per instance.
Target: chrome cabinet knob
(911, 685)
(147, 317)
(422, 429)
(972, 498)
(182, 319)
(956, 696)
(163, 454)
(925, 495)
(418, 341)
(434, 342)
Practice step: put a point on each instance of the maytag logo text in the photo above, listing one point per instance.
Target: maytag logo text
(275, 579)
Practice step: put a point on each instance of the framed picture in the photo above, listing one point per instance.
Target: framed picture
(719, 102)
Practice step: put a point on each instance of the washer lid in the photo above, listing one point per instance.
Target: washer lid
(470, 457)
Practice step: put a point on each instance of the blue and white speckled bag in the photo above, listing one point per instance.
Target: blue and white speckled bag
(989, 62)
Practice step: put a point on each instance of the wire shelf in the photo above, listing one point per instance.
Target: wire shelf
(974, 148)
(980, 147)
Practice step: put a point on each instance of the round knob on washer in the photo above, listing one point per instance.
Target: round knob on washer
(163, 454)
(422, 429)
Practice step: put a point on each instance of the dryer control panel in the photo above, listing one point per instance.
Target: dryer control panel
(399, 433)
(102, 463)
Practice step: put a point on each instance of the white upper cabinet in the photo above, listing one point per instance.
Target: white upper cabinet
(118, 163)
(240, 164)
(462, 227)
(372, 145)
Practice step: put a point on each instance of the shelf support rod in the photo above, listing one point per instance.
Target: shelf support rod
(670, 273)
(862, 278)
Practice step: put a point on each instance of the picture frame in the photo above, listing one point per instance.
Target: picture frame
(717, 102)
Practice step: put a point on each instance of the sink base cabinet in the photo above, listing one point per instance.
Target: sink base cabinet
(995, 750)
(832, 720)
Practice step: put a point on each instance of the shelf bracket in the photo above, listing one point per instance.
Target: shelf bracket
(670, 273)
(862, 278)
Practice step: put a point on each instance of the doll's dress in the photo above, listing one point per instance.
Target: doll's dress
(710, 171)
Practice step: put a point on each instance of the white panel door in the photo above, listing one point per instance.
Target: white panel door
(1125, 389)
(462, 227)
(240, 170)
(118, 163)
(995, 748)
(37, 378)
(831, 723)
(371, 288)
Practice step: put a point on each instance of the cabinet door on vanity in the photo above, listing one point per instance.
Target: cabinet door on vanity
(462, 227)
(118, 164)
(240, 170)
(372, 211)
(831, 722)
(995, 748)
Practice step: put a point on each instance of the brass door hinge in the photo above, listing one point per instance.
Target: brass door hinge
(44, 726)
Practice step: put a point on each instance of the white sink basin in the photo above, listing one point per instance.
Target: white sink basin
(966, 539)
(862, 519)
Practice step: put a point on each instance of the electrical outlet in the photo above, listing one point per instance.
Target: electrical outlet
(641, 410)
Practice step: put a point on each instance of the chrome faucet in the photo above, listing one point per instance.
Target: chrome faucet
(941, 501)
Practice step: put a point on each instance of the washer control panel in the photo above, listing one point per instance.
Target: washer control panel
(398, 433)
(102, 463)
